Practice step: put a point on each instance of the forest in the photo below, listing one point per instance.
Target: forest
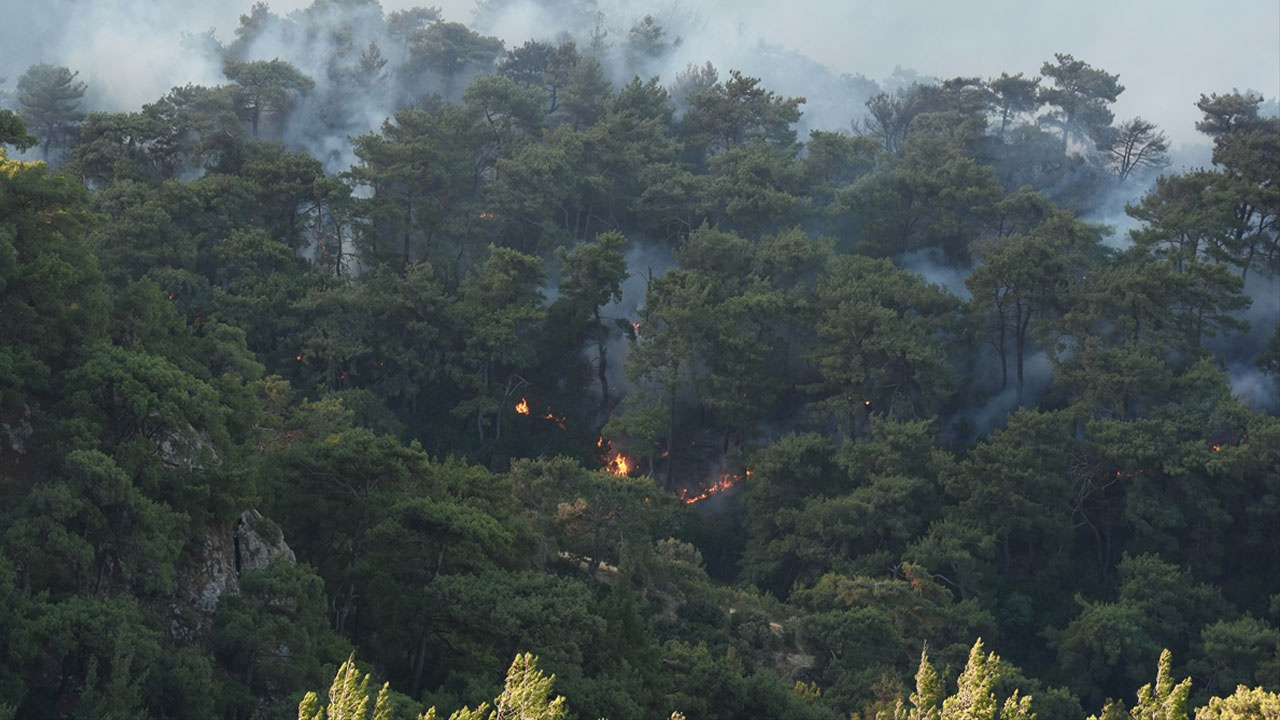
(403, 352)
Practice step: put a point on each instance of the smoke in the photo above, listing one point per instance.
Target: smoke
(931, 262)
(1239, 352)
(645, 259)
(1253, 388)
(131, 51)
(990, 415)
(1108, 207)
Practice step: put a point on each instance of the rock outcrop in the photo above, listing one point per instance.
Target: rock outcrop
(251, 542)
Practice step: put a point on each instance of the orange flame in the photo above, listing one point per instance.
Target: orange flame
(619, 465)
(725, 482)
(522, 407)
(600, 442)
(1217, 448)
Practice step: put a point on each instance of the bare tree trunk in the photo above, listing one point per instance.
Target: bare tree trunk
(671, 439)
(600, 366)
(419, 661)
(1021, 341)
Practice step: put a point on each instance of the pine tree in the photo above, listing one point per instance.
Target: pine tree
(49, 98)
(1163, 701)
(1243, 704)
(349, 698)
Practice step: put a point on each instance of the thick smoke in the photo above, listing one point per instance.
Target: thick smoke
(130, 52)
(1239, 354)
(645, 259)
(980, 420)
(931, 262)
(133, 51)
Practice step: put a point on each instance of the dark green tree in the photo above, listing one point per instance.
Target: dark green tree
(269, 87)
(49, 102)
(1013, 95)
(594, 275)
(1082, 95)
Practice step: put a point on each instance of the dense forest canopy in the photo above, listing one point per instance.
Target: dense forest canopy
(400, 351)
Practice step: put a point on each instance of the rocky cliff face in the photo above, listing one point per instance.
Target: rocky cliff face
(249, 543)
(15, 435)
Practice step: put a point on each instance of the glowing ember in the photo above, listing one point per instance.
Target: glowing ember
(1217, 448)
(689, 497)
(522, 407)
(619, 465)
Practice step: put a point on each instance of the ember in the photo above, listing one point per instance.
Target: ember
(726, 481)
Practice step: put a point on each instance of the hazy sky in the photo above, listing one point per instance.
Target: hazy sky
(1166, 52)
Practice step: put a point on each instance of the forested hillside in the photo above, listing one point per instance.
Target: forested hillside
(707, 410)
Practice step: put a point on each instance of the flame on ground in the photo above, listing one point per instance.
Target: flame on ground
(726, 481)
(522, 407)
(619, 465)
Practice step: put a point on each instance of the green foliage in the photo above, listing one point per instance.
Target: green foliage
(1081, 93)
(267, 87)
(974, 698)
(49, 103)
(1241, 704)
(736, 112)
(348, 698)
(881, 351)
(1161, 701)
(13, 131)
(398, 366)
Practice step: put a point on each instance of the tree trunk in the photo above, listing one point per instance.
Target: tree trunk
(1004, 354)
(419, 661)
(341, 620)
(1021, 343)
(407, 230)
(671, 438)
(600, 366)
(480, 410)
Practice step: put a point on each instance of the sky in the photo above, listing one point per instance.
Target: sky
(1166, 52)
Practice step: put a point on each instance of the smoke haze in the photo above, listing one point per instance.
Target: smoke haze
(131, 51)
